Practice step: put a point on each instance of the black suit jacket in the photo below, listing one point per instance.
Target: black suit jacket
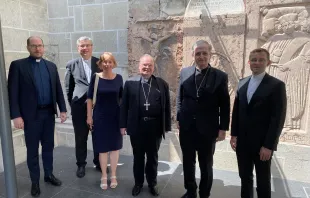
(260, 122)
(131, 104)
(22, 90)
(213, 105)
(75, 78)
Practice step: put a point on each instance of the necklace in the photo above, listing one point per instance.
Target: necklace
(198, 88)
(147, 104)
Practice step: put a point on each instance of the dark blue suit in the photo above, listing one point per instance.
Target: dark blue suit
(39, 120)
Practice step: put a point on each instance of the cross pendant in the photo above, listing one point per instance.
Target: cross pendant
(147, 105)
(197, 94)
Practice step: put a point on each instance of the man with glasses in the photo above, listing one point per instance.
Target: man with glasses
(77, 79)
(34, 90)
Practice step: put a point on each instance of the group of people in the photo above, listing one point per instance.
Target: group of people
(101, 104)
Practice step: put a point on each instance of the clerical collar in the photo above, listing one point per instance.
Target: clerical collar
(202, 70)
(34, 59)
(258, 76)
(145, 80)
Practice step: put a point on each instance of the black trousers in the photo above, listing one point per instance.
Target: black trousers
(147, 141)
(192, 141)
(81, 130)
(41, 129)
(246, 162)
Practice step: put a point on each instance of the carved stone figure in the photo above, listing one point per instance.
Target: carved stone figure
(156, 39)
(174, 7)
(288, 41)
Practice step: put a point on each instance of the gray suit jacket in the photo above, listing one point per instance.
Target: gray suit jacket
(75, 78)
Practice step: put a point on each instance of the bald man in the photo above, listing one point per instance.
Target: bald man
(34, 93)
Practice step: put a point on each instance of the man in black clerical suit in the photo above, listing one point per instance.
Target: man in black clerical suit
(203, 107)
(146, 116)
(34, 91)
(257, 121)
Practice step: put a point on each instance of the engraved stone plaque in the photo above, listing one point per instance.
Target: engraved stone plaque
(214, 7)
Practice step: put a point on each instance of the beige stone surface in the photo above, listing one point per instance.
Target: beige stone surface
(121, 59)
(61, 25)
(14, 40)
(42, 3)
(84, 2)
(57, 8)
(105, 41)
(78, 22)
(71, 11)
(144, 9)
(74, 2)
(122, 40)
(11, 56)
(44, 36)
(92, 18)
(103, 1)
(10, 14)
(34, 17)
(116, 12)
(64, 58)
(62, 41)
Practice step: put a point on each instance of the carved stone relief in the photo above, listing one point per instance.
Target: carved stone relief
(285, 34)
(173, 7)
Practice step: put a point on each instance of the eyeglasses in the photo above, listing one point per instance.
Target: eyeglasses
(86, 45)
(36, 46)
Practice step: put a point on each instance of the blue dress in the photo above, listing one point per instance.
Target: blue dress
(106, 131)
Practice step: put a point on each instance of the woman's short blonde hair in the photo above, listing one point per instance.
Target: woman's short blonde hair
(107, 56)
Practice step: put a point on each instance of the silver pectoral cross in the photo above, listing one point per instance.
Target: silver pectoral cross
(147, 105)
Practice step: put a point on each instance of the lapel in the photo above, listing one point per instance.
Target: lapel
(51, 72)
(260, 91)
(137, 86)
(162, 91)
(190, 77)
(82, 71)
(94, 67)
(243, 92)
(29, 72)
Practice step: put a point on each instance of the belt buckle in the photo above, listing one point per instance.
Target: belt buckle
(145, 118)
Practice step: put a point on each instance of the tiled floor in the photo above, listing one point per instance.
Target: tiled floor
(170, 183)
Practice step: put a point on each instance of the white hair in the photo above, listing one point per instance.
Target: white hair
(84, 38)
(200, 43)
(147, 55)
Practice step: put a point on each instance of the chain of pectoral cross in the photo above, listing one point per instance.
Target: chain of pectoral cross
(147, 104)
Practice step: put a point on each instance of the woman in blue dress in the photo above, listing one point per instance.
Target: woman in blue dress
(103, 118)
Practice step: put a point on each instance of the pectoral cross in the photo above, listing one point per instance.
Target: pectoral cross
(146, 104)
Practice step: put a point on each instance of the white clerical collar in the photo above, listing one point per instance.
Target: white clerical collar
(145, 80)
(38, 60)
(258, 76)
(86, 60)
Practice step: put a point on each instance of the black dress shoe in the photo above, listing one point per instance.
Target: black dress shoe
(189, 195)
(154, 191)
(35, 189)
(52, 180)
(136, 190)
(80, 171)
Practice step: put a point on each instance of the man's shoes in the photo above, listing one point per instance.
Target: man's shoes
(136, 190)
(35, 190)
(80, 171)
(53, 180)
(189, 195)
(154, 191)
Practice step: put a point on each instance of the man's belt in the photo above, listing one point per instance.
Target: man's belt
(49, 106)
(148, 118)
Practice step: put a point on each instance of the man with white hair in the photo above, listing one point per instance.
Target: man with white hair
(146, 116)
(77, 79)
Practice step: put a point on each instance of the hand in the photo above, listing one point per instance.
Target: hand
(265, 154)
(123, 131)
(90, 122)
(233, 142)
(18, 123)
(221, 136)
(63, 117)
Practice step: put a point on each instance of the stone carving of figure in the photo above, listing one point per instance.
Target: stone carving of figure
(155, 41)
(289, 49)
